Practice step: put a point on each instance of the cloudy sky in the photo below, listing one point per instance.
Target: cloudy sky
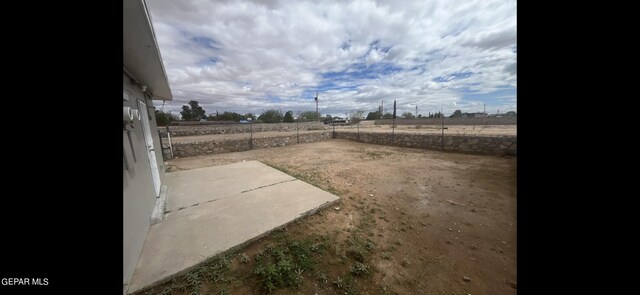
(247, 56)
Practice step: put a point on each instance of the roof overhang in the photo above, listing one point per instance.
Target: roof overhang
(141, 57)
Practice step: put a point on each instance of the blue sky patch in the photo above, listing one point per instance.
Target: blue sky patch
(206, 42)
(496, 97)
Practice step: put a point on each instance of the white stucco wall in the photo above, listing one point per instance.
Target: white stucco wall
(138, 191)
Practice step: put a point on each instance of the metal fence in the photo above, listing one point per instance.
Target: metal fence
(245, 136)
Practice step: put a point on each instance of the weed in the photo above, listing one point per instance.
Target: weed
(285, 262)
(224, 291)
(315, 247)
(298, 279)
(377, 154)
(386, 255)
(360, 269)
(322, 278)
(194, 278)
(244, 258)
(166, 291)
(259, 255)
(347, 284)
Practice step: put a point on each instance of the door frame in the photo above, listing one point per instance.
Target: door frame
(150, 147)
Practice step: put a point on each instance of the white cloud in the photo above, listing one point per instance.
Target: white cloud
(246, 55)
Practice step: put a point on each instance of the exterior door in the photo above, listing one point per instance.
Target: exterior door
(151, 151)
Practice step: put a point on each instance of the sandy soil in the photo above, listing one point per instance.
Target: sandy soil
(441, 223)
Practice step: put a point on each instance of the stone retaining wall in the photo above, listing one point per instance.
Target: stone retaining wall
(239, 128)
(196, 148)
(487, 145)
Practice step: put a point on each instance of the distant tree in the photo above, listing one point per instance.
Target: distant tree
(288, 117)
(328, 117)
(419, 115)
(164, 119)
(271, 116)
(374, 115)
(192, 112)
(408, 115)
(308, 116)
(511, 113)
(356, 117)
(387, 116)
(250, 115)
(230, 116)
(457, 113)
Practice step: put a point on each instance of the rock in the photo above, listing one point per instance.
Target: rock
(337, 208)
(370, 195)
(466, 278)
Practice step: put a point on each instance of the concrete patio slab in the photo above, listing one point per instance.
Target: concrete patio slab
(228, 214)
(191, 187)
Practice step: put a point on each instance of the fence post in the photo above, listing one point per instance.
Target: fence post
(251, 136)
(442, 138)
(297, 133)
(334, 130)
(393, 132)
(170, 143)
(358, 131)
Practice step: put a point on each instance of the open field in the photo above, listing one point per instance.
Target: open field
(409, 221)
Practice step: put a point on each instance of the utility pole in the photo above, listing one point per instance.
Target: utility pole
(416, 115)
(485, 109)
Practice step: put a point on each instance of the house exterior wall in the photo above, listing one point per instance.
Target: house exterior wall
(138, 192)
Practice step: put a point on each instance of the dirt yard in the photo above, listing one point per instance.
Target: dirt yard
(409, 221)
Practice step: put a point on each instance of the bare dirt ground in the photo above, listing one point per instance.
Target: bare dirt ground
(409, 221)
